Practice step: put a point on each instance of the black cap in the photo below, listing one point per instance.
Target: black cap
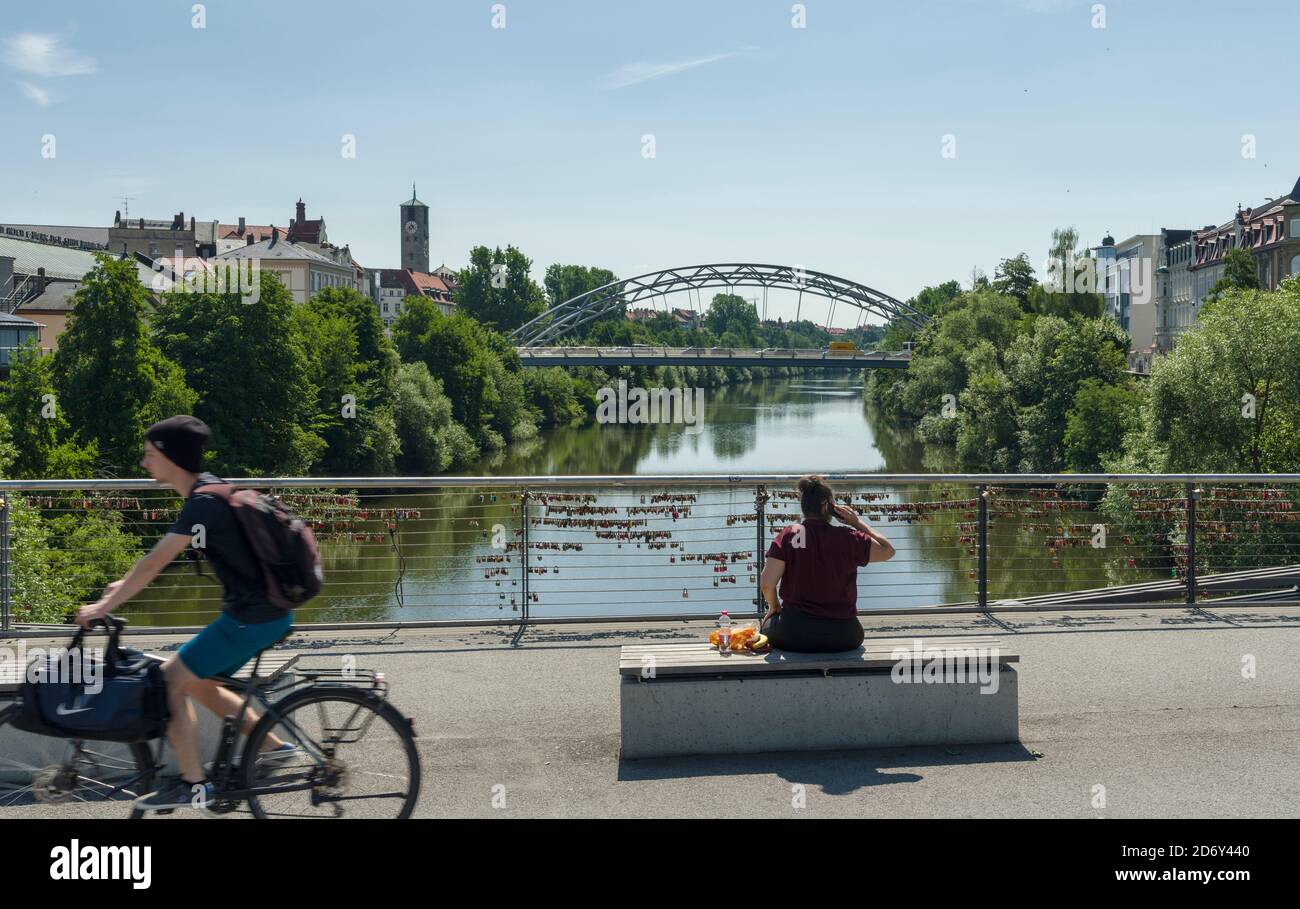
(181, 439)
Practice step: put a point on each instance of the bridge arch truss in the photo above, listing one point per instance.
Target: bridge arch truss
(586, 307)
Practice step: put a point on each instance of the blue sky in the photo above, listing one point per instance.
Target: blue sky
(819, 146)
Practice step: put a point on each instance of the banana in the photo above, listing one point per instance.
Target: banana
(758, 643)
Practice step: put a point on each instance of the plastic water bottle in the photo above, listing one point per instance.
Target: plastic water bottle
(724, 632)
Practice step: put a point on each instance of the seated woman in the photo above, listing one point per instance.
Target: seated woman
(816, 564)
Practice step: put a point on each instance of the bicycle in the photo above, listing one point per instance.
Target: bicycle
(318, 769)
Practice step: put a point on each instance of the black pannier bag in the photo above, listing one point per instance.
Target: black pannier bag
(120, 697)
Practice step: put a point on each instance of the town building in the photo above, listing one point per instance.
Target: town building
(233, 236)
(15, 331)
(415, 234)
(302, 270)
(1270, 231)
(163, 238)
(1175, 311)
(393, 285)
(88, 239)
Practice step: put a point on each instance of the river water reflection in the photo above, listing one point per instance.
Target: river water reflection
(676, 550)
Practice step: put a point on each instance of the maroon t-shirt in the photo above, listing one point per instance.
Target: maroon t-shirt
(821, 577)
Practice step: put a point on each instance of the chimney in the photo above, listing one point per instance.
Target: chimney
(142, 223)
(117, 218)
(302, 211)
(275, 235)
(40, 280)
(241, 225)
(250, 239)
(191, 224)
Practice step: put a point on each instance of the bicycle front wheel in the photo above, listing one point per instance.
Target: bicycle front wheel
(38, 769)
(355, 757)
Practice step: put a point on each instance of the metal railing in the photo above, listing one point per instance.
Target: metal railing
(506, 550)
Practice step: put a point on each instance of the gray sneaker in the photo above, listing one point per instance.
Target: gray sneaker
(176, 793)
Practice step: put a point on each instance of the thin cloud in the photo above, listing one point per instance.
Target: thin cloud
(45, 56)
(632, 73)
(37, 94)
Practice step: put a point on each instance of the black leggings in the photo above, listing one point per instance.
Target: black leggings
(802, 632)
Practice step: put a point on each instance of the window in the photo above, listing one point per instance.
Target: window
(1295, 228)
(1295, 263)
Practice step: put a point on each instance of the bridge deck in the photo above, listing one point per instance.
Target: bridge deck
(712, 356)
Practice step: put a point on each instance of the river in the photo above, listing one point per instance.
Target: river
(454, 554)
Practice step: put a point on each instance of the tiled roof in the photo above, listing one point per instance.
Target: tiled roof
(258, 231)
(305, 230)
(282, 249)
(416, 283)
(430, 283)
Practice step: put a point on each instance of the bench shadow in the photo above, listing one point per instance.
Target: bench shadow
(838, 772)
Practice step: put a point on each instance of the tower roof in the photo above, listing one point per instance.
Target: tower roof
(413, 200)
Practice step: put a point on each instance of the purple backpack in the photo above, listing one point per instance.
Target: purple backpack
(282, 543)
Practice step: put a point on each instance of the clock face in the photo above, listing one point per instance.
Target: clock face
(411, 228)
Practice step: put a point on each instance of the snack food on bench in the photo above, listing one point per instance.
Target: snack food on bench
(759, 643)
(740, 637)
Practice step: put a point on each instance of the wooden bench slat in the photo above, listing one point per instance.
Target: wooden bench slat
(702, 658)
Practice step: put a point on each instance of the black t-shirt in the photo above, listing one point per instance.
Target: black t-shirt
(243, 588)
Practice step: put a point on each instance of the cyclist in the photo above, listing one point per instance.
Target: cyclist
(173, 455)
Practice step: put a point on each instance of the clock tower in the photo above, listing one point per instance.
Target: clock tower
(415, 234)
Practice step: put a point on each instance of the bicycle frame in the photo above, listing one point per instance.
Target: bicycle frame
(222, 766)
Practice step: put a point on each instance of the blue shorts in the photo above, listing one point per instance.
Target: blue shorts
(227, 644)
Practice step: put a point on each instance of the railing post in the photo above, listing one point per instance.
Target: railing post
(4, 562)
(983, 570)
(1191, 544)
(760, 507)
(523, 550)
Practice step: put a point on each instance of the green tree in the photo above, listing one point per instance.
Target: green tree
(1015, 278)
(497, 289)
(552, 392)
(111, 379)
(732, 314)
(431, 440)
(564, 282)
(248, 366)
(1227, 397)
(41, 434)
(353, 367)
(1067, 294)
(1239, 273)
(1047, 365)
(986, 422)
(1099, 420)
(476, 366)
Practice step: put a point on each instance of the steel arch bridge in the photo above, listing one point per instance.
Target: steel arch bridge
(593, 304)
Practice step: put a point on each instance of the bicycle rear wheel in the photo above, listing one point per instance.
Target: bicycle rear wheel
(356, 757)
(35, 769)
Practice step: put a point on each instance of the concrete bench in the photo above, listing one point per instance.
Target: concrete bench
(683, 699)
